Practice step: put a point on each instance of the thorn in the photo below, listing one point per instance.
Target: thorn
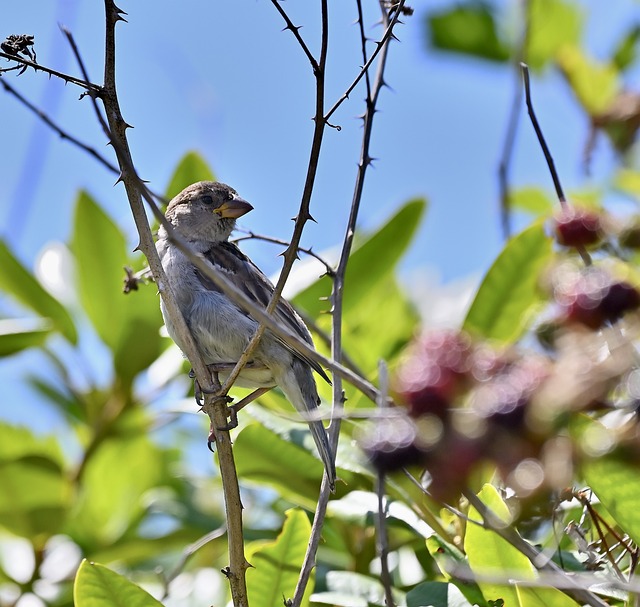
(119, 180)
(137, 247)
(311, 218)
(392, 36)
(128, 126)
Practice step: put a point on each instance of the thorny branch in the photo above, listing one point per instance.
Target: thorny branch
(336, 298)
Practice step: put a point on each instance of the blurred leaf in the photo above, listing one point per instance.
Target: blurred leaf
(626, 51)
(436, 594)
(17, 335)
(18, 282)
(370, 262)
(34, 497)
(35, 493)
(553, 24)
(128, 324)
(509, 294)
(114, 481)
(532, 200)
(191, 168)
(617, 485)
(97, 586)
(594, 84)
(628, 182)
(467, 28)
(489, 554)
(277, 564)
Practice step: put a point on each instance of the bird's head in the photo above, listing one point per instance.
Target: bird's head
(206, 210)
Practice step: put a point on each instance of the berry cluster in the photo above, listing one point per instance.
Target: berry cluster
(467, 403)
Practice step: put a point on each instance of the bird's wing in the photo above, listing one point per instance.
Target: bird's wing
(227, 259)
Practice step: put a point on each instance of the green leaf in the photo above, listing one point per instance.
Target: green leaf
(436, 594)
(626, 51)
(509, 294)
(491, 555)
(553, 24)
(18, 282)
(468, 28)
(35, 493)
(370, 262)
(594, 84)
(277, 564)
(193, 167)
(532, 200)
(97, 586)
(17, 335)
(627, 181)
(616, 483)
(128, 324)
(115, 480)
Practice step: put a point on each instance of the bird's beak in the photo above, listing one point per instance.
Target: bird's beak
(233, 208)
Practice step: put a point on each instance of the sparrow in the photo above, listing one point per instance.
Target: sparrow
(205, 214)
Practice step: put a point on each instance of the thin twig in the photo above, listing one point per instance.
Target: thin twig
(253, 236)
(52, 125)
(363, 46)
(538, 560)
(547, 155)
(295, 31)
(85, 84)
(380, 46)
(543, 143)
(382, 538)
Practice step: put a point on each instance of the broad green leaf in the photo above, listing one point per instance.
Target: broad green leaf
(114, 482)
(100, 255)
(128, 324)
(370, 262)
(594, 84)
(290, 468)
(553, 24)
(18, 282)
(491, 555)
(468, 28)
(509, 294)
(17, 335)
(191, 168)
(448, 557)
(627, 50)
(277, 564)
(97, 586)
(533, 200)
(617, 485)
(436, 594)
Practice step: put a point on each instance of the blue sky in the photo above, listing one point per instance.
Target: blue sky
(223, 79)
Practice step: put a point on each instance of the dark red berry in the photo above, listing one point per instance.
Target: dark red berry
(393, 445)
(595, 299)
(434, 372)
(578, 227)
(620, 298)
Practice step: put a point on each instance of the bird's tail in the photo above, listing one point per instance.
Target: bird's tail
(299, 387)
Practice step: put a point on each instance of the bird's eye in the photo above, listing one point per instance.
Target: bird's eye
(207, 199)
(230, 196)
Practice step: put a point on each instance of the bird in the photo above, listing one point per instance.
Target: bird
(205, 215)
